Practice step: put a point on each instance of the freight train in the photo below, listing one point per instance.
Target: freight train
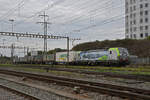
(110, 56)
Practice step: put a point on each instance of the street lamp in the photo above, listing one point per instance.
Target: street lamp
(12, 22)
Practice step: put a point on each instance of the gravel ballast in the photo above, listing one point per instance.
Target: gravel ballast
(42, 95)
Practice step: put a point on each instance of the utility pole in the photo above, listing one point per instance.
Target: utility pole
(68, 50)
(12, 22)
(27, 54)
(12, 52)
(24, 51)
(45, 32)
(3, 41)
(12, 49)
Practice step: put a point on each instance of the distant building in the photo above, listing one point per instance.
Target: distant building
(137, 19)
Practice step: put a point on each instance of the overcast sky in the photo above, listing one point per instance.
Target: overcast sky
(89, 20)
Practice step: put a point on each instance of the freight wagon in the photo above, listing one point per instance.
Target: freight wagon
(39, 59)
(49, 59)
(111, 56)
(61, 57)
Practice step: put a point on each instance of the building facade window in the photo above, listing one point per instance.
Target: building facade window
(130, 15)
(146, 20)
(131, 36)
(146, 27)
(130, 22)
(134, 15)
(127, 10)
(131, 9)
(141, 20)
(146, 34)
(134, 36)
(134, 8)
(134, 22)
(131, 1)
(141, 5)
(127, 18)
(141, 13)
(146, 5)
(141, 35)
(127, 36)
(146, 12)
(127, 30)
(135, 29)
(141, 28)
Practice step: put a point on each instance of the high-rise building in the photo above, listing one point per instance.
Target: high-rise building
(137, 20)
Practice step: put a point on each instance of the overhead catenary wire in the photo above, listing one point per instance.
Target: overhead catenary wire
(76, 15)
(87, 11)
(12, 10)
(31, 16)
(47, 8)
(40, 11)
(97, 14)
(80, 18)
(107, 19)
(74, 4)
(110, 0)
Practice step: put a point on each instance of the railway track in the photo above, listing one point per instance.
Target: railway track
(134, 77)
(17, 92)
(107, 74)
(112, 90)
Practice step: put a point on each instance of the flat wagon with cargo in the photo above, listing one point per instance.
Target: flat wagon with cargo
(110, 56)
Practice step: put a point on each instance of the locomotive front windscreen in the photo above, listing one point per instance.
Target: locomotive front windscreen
(123, 52)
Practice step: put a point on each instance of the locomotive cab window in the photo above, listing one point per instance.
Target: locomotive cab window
(110, 52)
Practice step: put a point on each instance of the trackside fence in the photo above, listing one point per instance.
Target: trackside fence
(140, 61)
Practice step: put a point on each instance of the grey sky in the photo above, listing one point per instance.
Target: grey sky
(89, 20)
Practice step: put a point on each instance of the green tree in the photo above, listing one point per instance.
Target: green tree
(148, 38)
(56, 50)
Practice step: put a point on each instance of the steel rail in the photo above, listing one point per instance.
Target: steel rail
(107, 74)
(134, 77)
(30, 97)
(113, 90)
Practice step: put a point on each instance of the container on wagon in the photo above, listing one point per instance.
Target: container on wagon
(49, 58)
(62, 56)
